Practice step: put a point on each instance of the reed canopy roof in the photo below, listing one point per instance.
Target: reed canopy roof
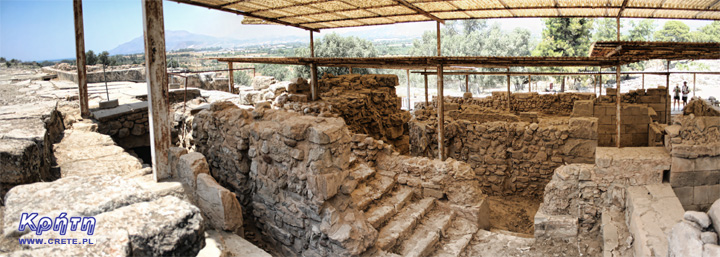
(325, 14)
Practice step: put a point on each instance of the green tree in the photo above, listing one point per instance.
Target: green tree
(90, 58)
(673, 31)
(242, 78)
(2, 59)
(104, 58)
(605, 30)
(642, 30)
(280, 72)
(565, 37)
(708, 33)
(334, 45)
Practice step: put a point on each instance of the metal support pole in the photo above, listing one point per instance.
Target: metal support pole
(80, 55)
(601, 83)
(618, 100)
(231, 82)
(408, 89)
(157, 83)
(508, 89)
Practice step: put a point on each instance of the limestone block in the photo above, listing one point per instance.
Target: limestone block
(714, 213)
(218, 204)
(175, 153)
(190, 166)
(709, 237)
(684, 241)
(555, 226)
(262, 82)
(699, 218)
(583, 108)
(584, 128)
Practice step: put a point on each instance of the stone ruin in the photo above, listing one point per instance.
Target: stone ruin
(353, 175)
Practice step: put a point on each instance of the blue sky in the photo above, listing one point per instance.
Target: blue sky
(44, 29)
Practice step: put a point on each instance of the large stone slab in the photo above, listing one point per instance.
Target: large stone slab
(652, 210)
(218, 204)
(98, 155)
(76, 196)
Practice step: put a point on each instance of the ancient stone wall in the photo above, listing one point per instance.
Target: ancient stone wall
(578, 194)
(694, 144)
(285, 168)
(655, 98)
(206, 80)
(127, 124)
(508, 156)
(555, 104)
(27, 135)
(305, 180)
(96, 75)
(635, 119)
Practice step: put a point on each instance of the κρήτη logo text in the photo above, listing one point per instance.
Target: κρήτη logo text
(60, 223)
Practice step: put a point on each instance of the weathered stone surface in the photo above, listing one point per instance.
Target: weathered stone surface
(218, 204)
(699, 218)
(166, 226)
(190, 166)
(113, 243)
(77, 196)
(175, 154)
(684, 241)
(262, 82)
(714, 214)
(709, 237)
(98, 155)
(711, 250)
(652, 211)
(555, 226)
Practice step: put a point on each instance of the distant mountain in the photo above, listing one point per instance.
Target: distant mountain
(181, 39)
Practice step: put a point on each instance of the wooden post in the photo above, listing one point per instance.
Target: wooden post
(231, 83)
(426, 90)
(80, 59)
(467, 83)
(440, 102)
(601, 83)
(157, 83)
(350, 69)
(667, 93)
(694, 79)
(529, 83)
(408, 89)
(313, 70)
(618, 100)
(618, 28)
(441, 113)
(643, 82)
(508, 89)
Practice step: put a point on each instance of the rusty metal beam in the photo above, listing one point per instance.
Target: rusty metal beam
(441, 114)
(618, 100)
(419, 11)
(408, 88)
(80, 59)
(157, 84)
(508, 89)
(313, 70)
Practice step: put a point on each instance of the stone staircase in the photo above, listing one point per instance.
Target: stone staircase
(408, 225)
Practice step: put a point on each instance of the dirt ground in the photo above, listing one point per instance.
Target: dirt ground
(513, 213)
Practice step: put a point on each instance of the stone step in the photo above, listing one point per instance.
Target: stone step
(403, 223)
(426, 235)
(358, 174)
(456, 239)
(372, 190)
(388, 206)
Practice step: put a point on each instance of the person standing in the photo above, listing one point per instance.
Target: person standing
(685, 93)
(676, 97)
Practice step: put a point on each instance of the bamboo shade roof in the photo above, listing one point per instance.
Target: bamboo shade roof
(325, 14)
(640, 51)
(420, 62)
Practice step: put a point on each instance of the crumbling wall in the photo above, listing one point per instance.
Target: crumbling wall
(205, 80)
(367, 103)
(694, 144)
(701, 107)
(555, 104)
(508, 157)
(95, 73)
(127, 124)
(578, 194)
(286, 169)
